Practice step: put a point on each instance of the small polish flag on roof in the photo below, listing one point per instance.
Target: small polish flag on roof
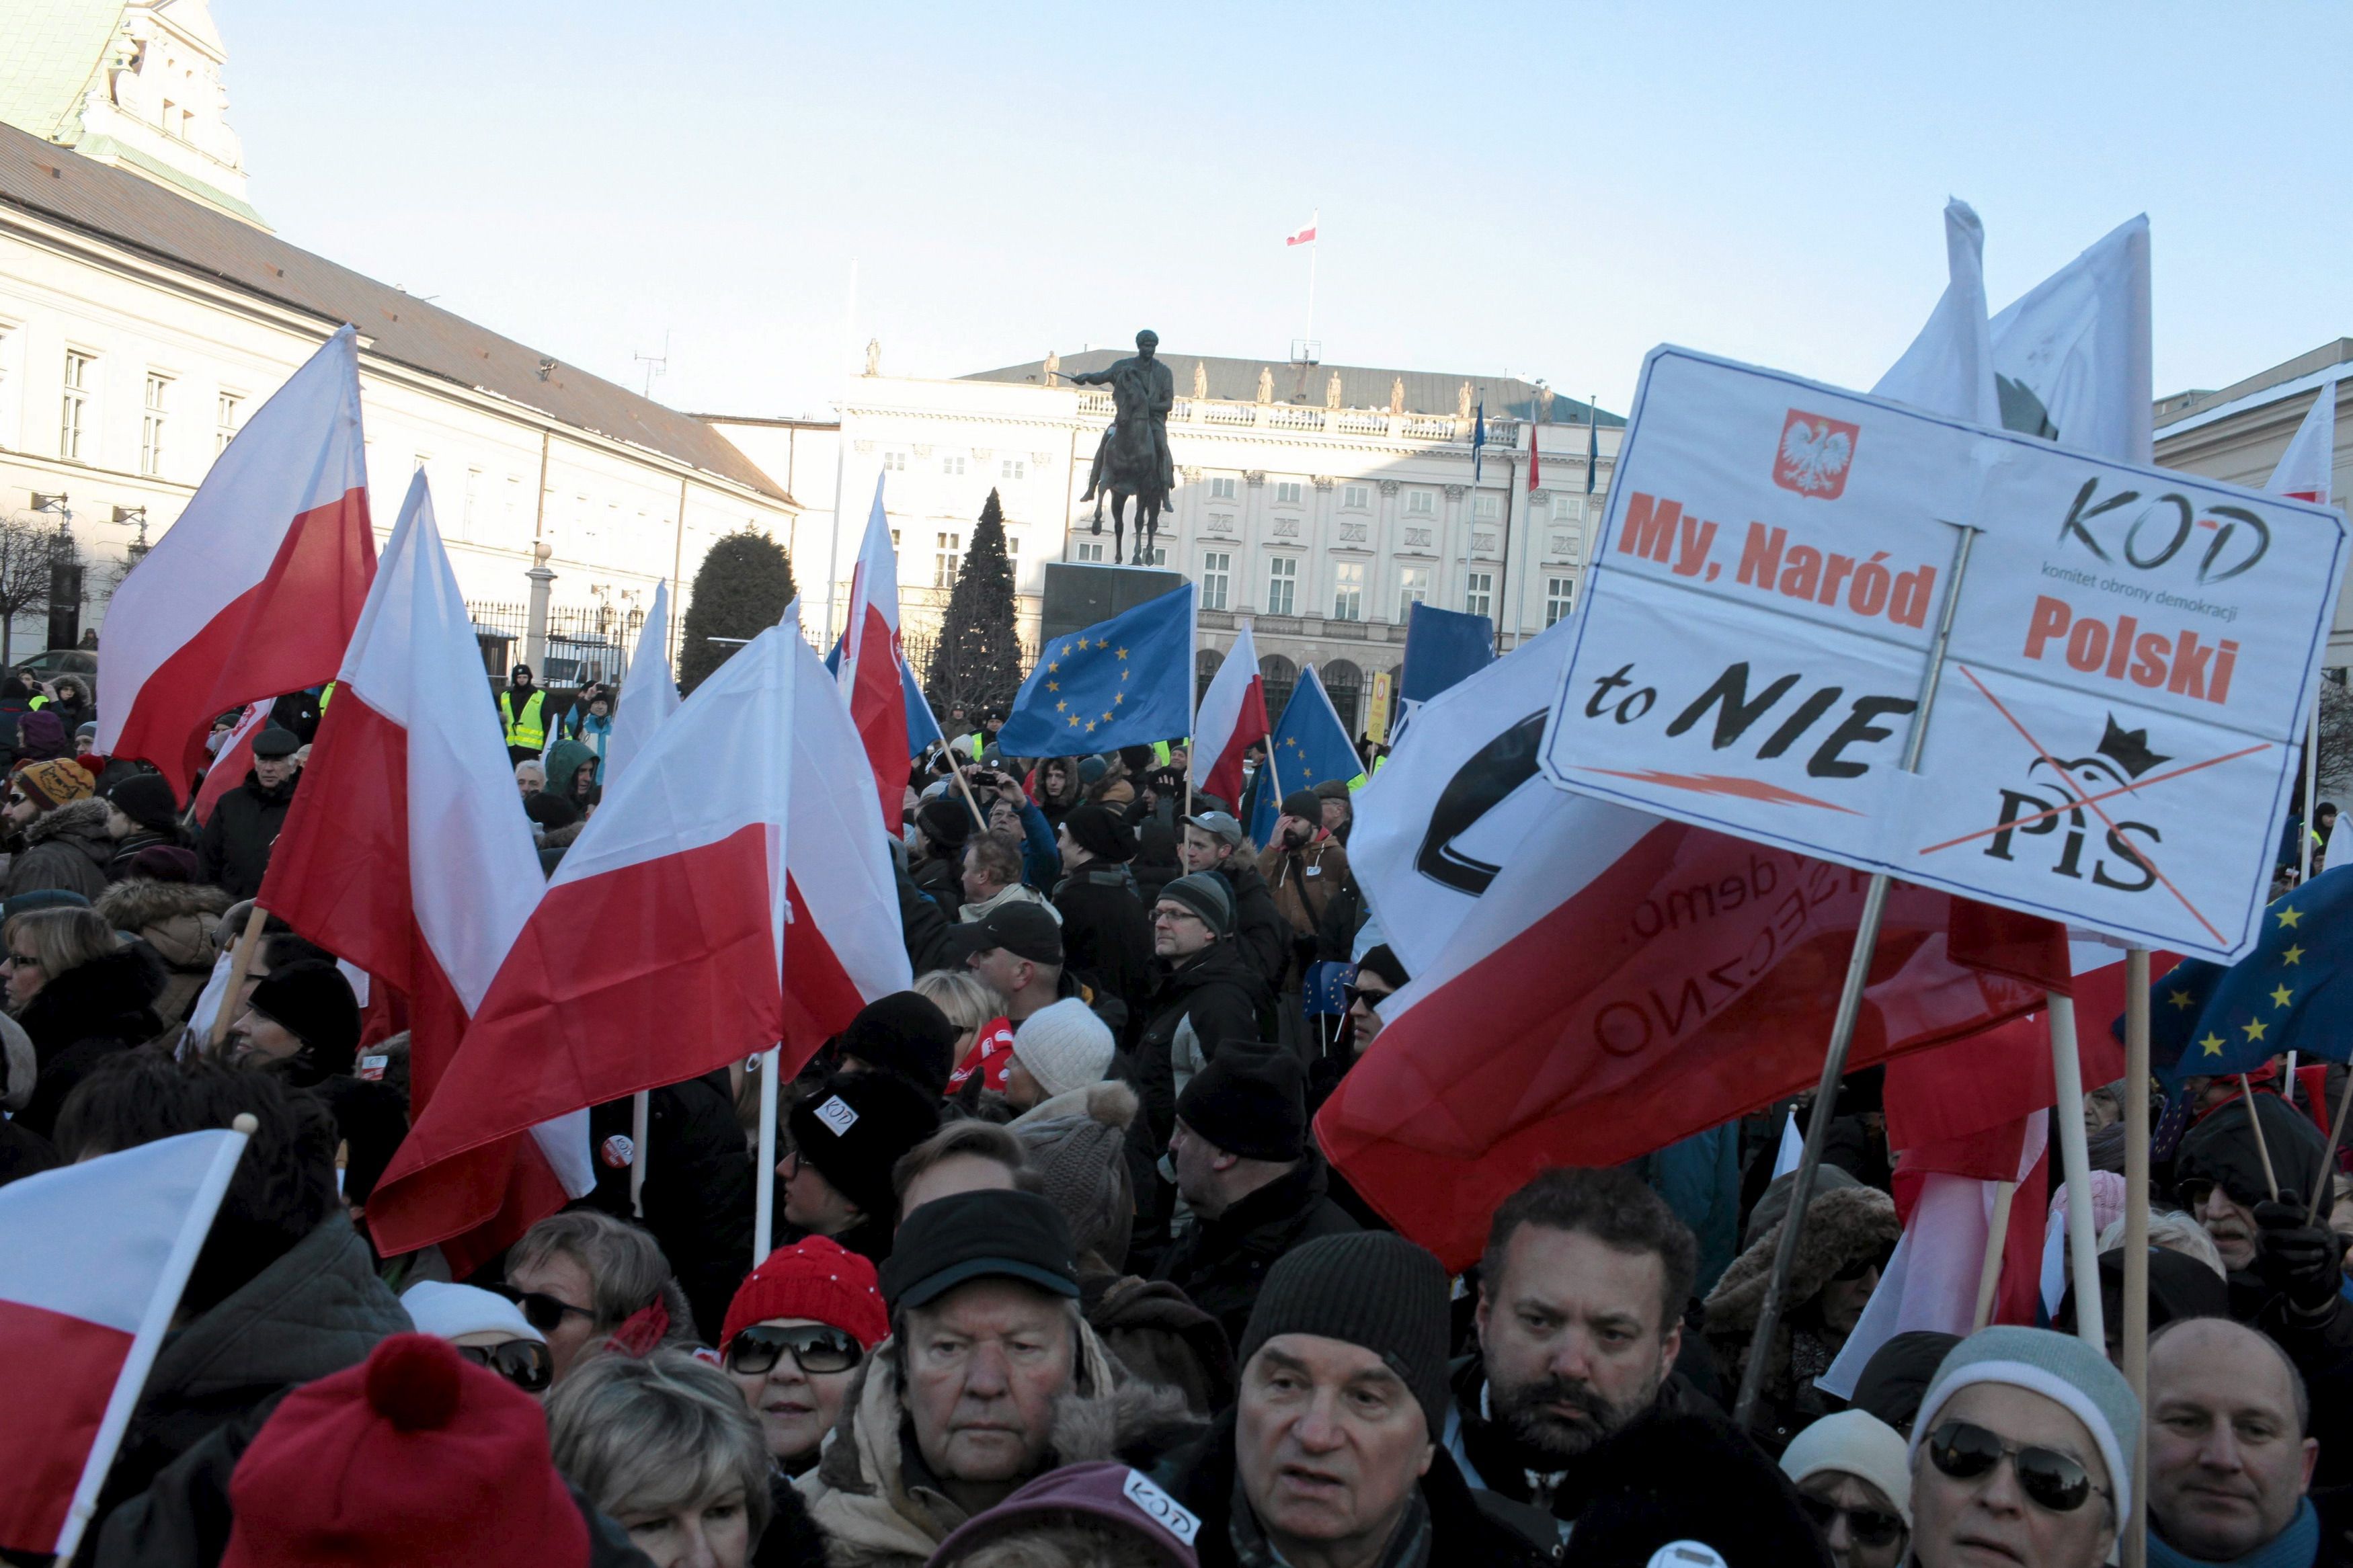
(1305, 237)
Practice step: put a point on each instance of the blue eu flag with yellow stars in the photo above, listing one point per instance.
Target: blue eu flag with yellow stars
(1126, 681)
(1309, 747)
(2294, 993)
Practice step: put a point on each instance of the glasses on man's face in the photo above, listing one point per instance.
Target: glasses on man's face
(1868, 1526)
(814, 1347)
(540, 1309)
(1965, 1451)
(1169, 914)
(526, 1364)
(1371, 999)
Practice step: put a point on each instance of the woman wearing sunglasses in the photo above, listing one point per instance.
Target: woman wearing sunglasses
(1853, 1483)
(799, 1326)
(488, 1330)
(2019, 1456)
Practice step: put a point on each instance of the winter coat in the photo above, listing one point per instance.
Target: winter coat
(83, 1016)
(699, 1192)
(1221, 1263)
(1462, 1534)
(68, 849)
(178, 921)
(1106, 935)
(1200, 1003)
(564, 761)
(312, 1313)
(1155, 1331)
(876, 1515)
(234, 852)
(1259, 927)
(1844, 1226)
(924, 926)
(126, 850)
(1491, 1460)
(1305, 882)
(792, 1539)
(938, 879)
(1011, 893)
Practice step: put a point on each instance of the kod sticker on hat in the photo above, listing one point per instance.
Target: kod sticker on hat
(619, 1152)
(371, 1068)
(836, 1114)
(1164, 1511)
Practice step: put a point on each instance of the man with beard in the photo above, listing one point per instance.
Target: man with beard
(1580, 1299)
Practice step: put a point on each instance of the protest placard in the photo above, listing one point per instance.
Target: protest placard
(2120, 707)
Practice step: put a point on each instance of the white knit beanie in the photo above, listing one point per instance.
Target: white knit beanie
(1064, 1047)
(1855, 1443)
(445, 1312)
(2063, 1370)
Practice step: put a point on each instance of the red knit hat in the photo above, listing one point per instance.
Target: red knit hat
(413, 1457)
(814, 1278)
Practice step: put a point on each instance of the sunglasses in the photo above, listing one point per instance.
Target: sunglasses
(1965, 1451)
(526, 1364)
(1371, 999)
(15, 797)
(814, 1349)
(540, 1310)
(1868, 1526)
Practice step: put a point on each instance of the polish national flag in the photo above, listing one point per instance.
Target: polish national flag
(2309, 463)
(1230, 720)
(1305, 237)
(874, 670)
(729, 894)
(254, 592)
(92, 1260)
(407, 853)
(233, 760)
(649, 695)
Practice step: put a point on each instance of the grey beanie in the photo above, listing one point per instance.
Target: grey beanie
(2063, 1370)
(1082, 1158)
(1206, 894)
(1369, 1287)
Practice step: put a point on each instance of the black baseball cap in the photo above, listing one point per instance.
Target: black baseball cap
(1021, 928)
(993, 1234)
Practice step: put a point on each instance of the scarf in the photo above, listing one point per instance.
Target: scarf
(2293, 1547)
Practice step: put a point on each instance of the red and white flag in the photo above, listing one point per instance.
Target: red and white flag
(1303, 237)
(2307, 467)
(233, 760)
(649, 694)
(254, 592)
(729, 894)
(873, 677)
(406, 852)
(1231, 720)
(93, 1257)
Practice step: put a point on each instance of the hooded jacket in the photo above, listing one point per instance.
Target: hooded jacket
(178, 921)
(314, 1311)
(67, 847)
(564, 761)
(234, 852)
(879, 1508)
(81, 1017)
(1201, 1003)
(1221, 1263)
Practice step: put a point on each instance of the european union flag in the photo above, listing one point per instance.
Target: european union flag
(2294, 993)
(1126, 681)
(1309, 746)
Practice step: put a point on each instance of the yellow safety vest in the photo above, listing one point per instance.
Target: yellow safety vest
(525, 728)
(326, 695)
(1160, 753)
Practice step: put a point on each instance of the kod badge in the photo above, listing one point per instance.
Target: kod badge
(619, 1152)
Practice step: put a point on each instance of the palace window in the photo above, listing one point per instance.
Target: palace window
(1348, 591)
(1282, 585)
(1560, 597)
(1216, 578)
(1479, 593)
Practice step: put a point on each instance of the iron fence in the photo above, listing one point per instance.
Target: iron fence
(585, 643)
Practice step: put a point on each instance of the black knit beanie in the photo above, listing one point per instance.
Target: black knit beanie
(907, 1034)
(854, 1127)
(947, 823)
(1099, 834)
(1249, 1100)
(1304, 804)
(313, 1002)
(1369, 1287)
(146, 799)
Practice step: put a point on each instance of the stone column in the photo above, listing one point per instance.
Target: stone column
(534, 637)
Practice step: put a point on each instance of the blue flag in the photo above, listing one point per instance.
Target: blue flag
(923, 730)
(2294, 993)
(1592, 443)
(1126, 681)
(1442, 648)
(1309, 746)
(1478, 437)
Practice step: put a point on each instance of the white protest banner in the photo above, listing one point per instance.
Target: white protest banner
(2132, 653)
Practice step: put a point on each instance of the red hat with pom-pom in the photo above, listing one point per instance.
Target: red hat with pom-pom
(415, 1457)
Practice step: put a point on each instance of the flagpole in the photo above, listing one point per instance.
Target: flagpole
(240, 966)
(1315, 226)
(149, 1339)
(2135, 1287)
(2263, 1148)
(1996, 1239)
(641, 1118)
(1849, 1007)
(764, 1209)
(2328, 1159)
(2075, 1164)
(2311, 792)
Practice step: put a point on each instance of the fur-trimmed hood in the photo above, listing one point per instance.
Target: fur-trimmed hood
(1843, 1226)
(137, 903)
(1111, 1102)
(77, 820)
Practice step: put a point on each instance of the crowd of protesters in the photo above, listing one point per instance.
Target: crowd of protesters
(1066, 1280)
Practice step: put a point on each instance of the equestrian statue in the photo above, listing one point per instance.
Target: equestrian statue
(1132, 458)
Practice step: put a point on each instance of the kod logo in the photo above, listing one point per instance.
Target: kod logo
(2147, 532)
(1814, 454)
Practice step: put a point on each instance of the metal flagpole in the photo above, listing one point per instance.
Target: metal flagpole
(1314, 247)
(2311, 793)
(2135, 1325)
(841, 437)
(1850, 1006)
(763, 1216)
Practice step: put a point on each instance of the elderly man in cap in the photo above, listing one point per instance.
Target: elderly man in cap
(61, 837)
(990, 1379)
(234, 850)
(1106, 935)
(1213, 842)
(1331, 1458)
(1254, 1183)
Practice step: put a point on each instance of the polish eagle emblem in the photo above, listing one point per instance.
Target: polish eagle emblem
(1814, 455)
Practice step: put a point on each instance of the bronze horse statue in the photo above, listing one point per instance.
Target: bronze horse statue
(1132, 458)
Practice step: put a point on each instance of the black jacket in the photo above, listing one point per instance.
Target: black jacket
(83, 1016)
(1220, 1263)
(940, 881)
(1106, 936)
(127, 849)
(1260, 929)
(1215, 996)
(234, 850)
(1202, 1477)
(924, 926)
(699, 1189)
(66, 849)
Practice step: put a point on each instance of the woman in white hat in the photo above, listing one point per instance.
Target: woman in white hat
(1850, 1476)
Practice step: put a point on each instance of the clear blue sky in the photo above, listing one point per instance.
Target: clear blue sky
(1547, 190)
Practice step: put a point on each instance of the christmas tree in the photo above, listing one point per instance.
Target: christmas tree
(740, 591)
(977, 664)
